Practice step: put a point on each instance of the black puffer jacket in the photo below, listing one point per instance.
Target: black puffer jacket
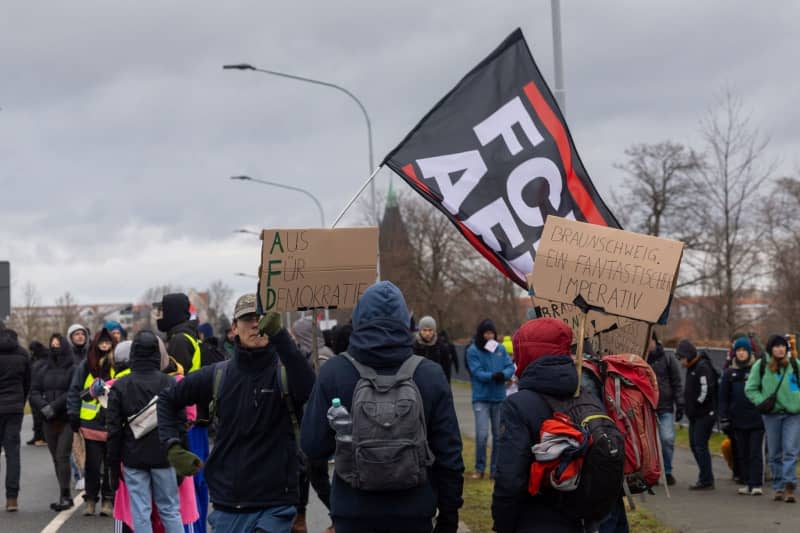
(521, 417)
(733, 402)
(668, 374)
(128, 396)
(176, 324)
(50, 386)
(254, 461)
(15, 373)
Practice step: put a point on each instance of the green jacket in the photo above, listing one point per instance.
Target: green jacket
(788, 396)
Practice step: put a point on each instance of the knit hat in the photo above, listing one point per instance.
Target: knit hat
(685, 350)
(539, 338)
(113, 325)
(743, 342)
(206, 330)
(122, 353)
(427, 322)
(776, 340)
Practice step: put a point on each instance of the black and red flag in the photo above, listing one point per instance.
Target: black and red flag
(496, 157)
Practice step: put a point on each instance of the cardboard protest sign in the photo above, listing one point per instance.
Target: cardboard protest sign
(496, 157)
(316, 268)
(607, 334)
(620, 272)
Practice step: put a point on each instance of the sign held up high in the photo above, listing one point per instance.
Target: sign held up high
(316, 268)
(619, 272)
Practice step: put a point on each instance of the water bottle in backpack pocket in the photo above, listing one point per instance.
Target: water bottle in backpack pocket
(342, 423)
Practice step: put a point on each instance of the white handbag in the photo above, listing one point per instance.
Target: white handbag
(146, 420)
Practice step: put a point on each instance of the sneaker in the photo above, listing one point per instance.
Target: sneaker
(744, 491)
(756, 491)
(778, 496)
(89, 508)
(789, 493)
(62, 505)
(107, 509)
(80, 484)
(299, 525)
(702, 486)
(31, 442)
(670, 480)
(11, 505)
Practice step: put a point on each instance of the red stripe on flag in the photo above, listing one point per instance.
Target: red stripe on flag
(473, 239)
(557, 131)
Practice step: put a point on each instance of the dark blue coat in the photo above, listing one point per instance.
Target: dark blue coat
(734, 404)
(522, 414)
(381, 340)
(254, 462)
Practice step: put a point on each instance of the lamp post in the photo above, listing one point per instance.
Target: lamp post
(558, 56)
(246, 66)
(289, 187)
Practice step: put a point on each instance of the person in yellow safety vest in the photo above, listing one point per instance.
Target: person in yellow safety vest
(173, 317)
(508, 345)
(87, 416)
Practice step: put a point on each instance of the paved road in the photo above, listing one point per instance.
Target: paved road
(39, 488)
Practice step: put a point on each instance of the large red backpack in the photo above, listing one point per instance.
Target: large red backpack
(630, 394)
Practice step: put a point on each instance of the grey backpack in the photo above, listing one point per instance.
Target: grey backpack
(389, 449)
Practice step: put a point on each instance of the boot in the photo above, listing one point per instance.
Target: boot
(299, 525)
(62, 504)
(107, 508)
(789, 491)
(11, 505)
(89, 508)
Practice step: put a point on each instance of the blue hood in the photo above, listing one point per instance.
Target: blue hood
(554, 375)
(381, 335)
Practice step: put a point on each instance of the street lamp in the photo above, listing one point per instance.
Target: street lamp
(558, 56)
(244, 275)
(290, 187)
(246, 66)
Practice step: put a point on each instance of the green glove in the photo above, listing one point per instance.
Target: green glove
(270, 324)
(185, 462)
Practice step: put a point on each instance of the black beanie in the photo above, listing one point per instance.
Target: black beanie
(686, 350)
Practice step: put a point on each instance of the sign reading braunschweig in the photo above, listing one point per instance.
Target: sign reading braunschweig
(621, 272)
(316, 268)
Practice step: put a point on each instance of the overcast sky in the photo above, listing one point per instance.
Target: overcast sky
(119, 129)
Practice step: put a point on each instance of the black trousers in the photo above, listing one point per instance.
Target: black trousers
(96, 472)
(314, 473)
(58, 435)
(10, 428)
(38, 424)
(699, 433)
(749, 456)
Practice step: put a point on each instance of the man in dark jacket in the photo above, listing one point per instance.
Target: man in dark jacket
(148, 474)
(700, 397)
(545, 367)
(252, 473)
(670, 400)
(428, 344)
(381, 340)
(15, 385)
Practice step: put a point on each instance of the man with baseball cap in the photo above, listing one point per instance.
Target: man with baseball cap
(252, 473)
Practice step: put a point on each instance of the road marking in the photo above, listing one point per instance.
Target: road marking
(62, 517)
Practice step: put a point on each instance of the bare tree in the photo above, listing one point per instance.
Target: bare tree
(68, 311)
(219, 297)
(28, 320)
(154, 294)
(726, 206)
(783, 252)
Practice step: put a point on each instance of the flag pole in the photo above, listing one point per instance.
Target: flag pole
(353, 200)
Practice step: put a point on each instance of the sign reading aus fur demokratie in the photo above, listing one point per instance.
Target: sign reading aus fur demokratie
(496, 157)
(316, 268)
(620, 272)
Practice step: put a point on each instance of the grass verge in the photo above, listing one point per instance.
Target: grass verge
(477, 510)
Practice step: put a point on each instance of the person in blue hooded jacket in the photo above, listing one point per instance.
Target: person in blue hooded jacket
(382, 340)
(490, 367)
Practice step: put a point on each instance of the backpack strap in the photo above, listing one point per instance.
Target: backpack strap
(287, 398)
(219, 369)
(384, 383)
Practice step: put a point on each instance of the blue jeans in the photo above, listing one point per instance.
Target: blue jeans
(783, 446)
(486, 413)
(272, 520)
(159, 484)
(666, 433)
(700, 429)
